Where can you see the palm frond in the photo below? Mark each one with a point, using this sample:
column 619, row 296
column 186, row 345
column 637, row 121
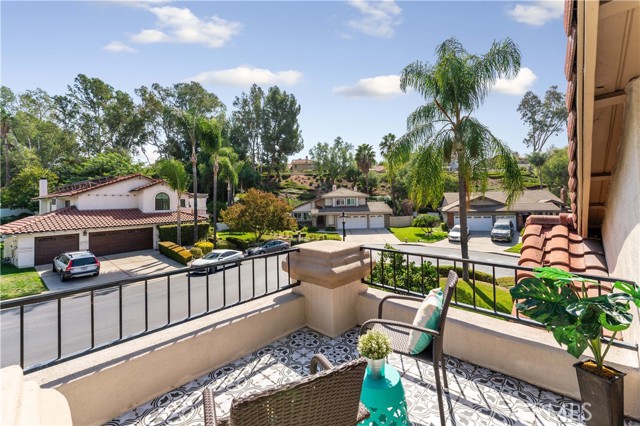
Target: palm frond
column 427, row 176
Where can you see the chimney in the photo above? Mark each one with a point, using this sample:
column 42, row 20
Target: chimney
column 333, row 188
column 43, row 188
column 563, row 195
column 306, row 158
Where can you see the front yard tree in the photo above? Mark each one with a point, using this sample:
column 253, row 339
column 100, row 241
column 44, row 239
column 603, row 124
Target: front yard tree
column 334, row 160
column 247, row 121
column 454, row 87
column 19, row 194
column 537, row 160
column 556, row 170
column 174, row 173
column 259, row 212
column 365, row 158
column 426, row 221
column 281, row 136
column 545, row 118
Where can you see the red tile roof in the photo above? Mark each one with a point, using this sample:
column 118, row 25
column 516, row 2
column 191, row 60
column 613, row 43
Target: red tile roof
column 147, row 185
column 70, row 218
column 88, row 185
column 553, row 241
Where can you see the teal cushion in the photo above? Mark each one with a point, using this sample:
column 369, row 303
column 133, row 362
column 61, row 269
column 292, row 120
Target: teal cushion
column 428, row 316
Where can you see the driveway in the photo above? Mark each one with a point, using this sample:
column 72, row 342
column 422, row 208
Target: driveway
column 113, row 268
column 371, row 236
column 481, row 242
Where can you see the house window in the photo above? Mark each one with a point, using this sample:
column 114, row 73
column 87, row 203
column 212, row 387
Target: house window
column 183, row 202
column 351, row 201
column 67, row 203
column 162, row 201
column 340, row 202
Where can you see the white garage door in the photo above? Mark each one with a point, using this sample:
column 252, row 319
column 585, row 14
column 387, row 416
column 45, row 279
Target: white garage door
column 356, row 222
column 477, row 223
column 511, row 218
column 376, row 221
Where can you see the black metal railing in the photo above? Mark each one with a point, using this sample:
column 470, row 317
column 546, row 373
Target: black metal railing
column 486, row 291
column 44, row 330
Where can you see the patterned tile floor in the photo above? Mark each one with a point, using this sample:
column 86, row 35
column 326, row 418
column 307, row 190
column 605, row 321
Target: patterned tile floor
column 477, row 396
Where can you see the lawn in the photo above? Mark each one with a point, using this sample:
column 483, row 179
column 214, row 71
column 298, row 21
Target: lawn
column 484, row 295
column 514, row 249
column 16, row 282
column 413, row 234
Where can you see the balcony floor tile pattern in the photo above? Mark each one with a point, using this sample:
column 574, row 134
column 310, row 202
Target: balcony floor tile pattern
column 477, row 396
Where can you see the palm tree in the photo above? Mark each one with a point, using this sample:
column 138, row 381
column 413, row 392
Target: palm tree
column 386, row 148
column 212, row 140
column 454, row 87
column 537, row 160
column 175, row 175
column 228, row 169
column 365, row 158
column 387, row 143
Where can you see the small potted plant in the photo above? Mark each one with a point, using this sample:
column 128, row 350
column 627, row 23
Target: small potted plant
column 375, row 347
column 559, row 300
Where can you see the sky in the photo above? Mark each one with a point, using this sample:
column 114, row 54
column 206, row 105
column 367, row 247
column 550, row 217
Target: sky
column 341, row 59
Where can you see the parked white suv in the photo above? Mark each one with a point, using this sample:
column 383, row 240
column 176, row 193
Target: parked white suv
column 75, row 264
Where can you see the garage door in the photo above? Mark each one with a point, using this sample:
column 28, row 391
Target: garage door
column 356, row 222
column 477, row 223
column 376, row 221
column 46, row 248
column 103, row 243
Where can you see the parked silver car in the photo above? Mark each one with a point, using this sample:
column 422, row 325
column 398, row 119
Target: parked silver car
column 455, row 233
column 214, row 258
column 76, row 264
column 269, row 247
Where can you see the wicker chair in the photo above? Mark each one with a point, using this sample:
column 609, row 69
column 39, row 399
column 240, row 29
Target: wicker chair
column 331, row 397
column 398, row 332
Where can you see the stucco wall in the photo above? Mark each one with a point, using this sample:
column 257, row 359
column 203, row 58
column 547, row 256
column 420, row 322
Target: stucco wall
column 114, row 196
column 400, row 221
column 147, row 198
column 621, row 227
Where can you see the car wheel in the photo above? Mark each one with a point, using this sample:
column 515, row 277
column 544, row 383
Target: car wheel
column 261, row 252
column 96, row 274
column 62, row 277
column 283, row 249
column 210, row 270
column 53, row 267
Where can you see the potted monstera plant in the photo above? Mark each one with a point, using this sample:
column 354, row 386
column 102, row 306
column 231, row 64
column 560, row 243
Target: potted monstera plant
column 559, row 300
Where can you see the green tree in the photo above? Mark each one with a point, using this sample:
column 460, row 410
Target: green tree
column 259, row 212
column 332, row 161
column 545, row 118
column 365, row 158
column 24, row 186
column 537, row 160
column 247, row 122
column 454, row 87
column 8, row 110
column 426, row 221
column 386, row 145
column 174, row 173
column 556, row 170
column 281, row 136
column 112, row 163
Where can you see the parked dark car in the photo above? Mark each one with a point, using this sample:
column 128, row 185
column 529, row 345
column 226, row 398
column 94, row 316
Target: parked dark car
column 502, row 230
column 75, row 264
column 269, row 247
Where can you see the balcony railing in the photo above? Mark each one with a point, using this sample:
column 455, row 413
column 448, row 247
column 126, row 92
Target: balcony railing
column 486, row 292
column 44, row 330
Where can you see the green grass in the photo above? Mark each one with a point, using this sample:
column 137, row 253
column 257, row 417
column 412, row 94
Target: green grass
column 413, row 234
column 246, row 236
column 514, row 249
column 16, row 282
column 484, row 295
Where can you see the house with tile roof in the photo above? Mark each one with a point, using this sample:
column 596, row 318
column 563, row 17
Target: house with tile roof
column 107, row 216
column 302, row 165
column 485, row 209
column 602, row 234
column 359, row 213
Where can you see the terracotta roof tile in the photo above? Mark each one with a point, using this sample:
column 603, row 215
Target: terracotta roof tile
column 557, row 242
column 573, row 184
column 576, row 248
column 531, row 255
column 533, row 230
column 572, row 167
column 592, row 246
column 70, row 218
column 573, row 195
column 595, row 261
column 558, row 259
column 84, row 186
column 570, row 57
column 577, row 263
column 570, row 96
column 533, row 241
column 568, row 16
column 571, row 149
column 559, row 230
column 571, row 124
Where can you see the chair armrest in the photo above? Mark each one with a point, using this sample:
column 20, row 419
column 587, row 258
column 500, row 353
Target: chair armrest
column 210, row 417
column 369, row 324
column 319, row 359
column 395, row 296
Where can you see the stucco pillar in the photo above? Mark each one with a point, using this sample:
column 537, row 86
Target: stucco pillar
column 330, row 273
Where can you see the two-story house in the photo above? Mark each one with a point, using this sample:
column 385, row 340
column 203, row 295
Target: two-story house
column 107, row 216
column 359, row 212
column 302, row 165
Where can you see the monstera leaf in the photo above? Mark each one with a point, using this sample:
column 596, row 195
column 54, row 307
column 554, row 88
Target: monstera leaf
column 629, row 289
column 572, row 337
column 545, row 302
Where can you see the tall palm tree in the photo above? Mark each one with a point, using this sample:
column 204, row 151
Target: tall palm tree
column 228, row 169
column 365, row 158
column 211, row 134
column 387, row 143
column 453, row 88
column 175, row 175
column 386, row 148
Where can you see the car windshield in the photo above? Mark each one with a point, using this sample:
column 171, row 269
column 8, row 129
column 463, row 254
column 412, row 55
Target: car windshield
column 456, row 228
column 502, row 227
column 212, row 256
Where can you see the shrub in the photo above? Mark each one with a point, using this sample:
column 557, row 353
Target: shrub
column 312, row 229
column 196, row 252
column 169, row 233
column 443, row 271
column 392, row 269
column 330, row 228
column 224, row 244
column 239, row 243
column 444, row 226
column 205, row 246
column 426, row 221
column 175, row 252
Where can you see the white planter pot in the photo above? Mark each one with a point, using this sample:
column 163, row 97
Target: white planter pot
column 375, row 368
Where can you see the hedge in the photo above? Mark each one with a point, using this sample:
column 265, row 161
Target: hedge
column 205, row 246
column 443, row 271
column 175, row 252
column 196, row 252
column 169, row 233
column 239, row 243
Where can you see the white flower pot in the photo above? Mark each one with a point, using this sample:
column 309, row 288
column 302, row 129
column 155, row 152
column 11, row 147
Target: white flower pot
column 375, row 368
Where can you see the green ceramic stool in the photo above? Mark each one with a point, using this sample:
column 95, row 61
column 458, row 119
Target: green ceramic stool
column 384, row 398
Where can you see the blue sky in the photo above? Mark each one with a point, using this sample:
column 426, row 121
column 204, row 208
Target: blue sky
column 341, row 59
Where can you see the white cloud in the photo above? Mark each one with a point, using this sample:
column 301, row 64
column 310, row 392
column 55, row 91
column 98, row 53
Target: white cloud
column 246, row 75
column 180, row 25
column 537, row 13
column 384, row 86
column 518, row 85
column 379, row 17
column 118, row 46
